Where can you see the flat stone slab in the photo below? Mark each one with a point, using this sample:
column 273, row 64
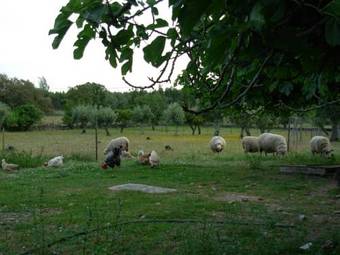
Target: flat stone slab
column 320, row 170
column 141, row 188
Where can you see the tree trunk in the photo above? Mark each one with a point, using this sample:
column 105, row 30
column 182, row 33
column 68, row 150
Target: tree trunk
column 242, row 131
column 335, row 133
column 193, row 129
column 247, row 131
column 153, row 127
column 199, row 129
column 121, row 129
column 262, row 130
column 107, row 131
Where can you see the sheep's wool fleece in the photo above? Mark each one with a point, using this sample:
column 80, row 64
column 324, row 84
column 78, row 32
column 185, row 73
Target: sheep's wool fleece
column 250, row 144
column 56, row 161
column 272, row 143
column 217, row 141
column 116, row 143
column 154, row 159
column 320, row 144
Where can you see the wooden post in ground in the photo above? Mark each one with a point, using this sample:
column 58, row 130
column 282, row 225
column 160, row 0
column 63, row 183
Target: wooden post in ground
column 3, row 138
column 288, row 145
column 96, row 139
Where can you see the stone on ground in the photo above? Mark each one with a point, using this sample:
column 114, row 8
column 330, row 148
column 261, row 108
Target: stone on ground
column 142, row 188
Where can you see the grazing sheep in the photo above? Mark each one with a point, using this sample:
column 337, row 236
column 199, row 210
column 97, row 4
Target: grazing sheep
column 217, row 144
column 250, row 144
column 122, row 142
column 272, row 143
column 112, row 158
column 154, row 159
column 55, row 162
column 8, row 167
column 143, row 158
column 321, row 145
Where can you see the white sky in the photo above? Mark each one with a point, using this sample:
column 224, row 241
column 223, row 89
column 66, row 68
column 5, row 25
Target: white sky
column 26, row 51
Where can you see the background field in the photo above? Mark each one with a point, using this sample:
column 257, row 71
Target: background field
column 71, row 211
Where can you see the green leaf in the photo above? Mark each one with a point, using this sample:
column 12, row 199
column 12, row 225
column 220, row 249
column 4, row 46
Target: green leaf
column 333, row 8
column 154, row 10
column 111, row 55
column 191, row 13
column 123, row 37
column 256, row 16
column 83, row 38
column 159, row 23
column 127, row 67
column 332, row 32
column 153, row 52
column 95, row 14
column 173, row 35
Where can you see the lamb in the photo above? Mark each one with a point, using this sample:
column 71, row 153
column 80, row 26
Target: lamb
column 321, row 145
column 8, row 167
column 55, row 162
column 154, row 159
column 272, row 143
column 217, row 144
column 250, row 144
column 122, row 142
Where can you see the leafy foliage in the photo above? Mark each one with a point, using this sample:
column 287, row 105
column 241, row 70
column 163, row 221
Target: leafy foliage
column 286, row 49
column 21, row 118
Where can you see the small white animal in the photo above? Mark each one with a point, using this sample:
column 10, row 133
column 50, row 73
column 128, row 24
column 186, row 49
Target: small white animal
column 154, row 159
column 8, row 167
column 321, row 145
column 217, row 144
column 55, row 162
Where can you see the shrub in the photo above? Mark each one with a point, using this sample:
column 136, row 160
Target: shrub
column 22, row 118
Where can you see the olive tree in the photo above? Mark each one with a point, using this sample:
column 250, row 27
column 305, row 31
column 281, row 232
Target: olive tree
column 142, row 115
column 174, row 114
column 82, row 115
column 104, row 118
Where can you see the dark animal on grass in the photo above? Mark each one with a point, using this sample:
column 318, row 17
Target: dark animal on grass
column 168, row 148
column 112, row 158
column 148, row 138
column 9, row 147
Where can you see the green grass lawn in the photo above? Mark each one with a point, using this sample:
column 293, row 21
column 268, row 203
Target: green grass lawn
column 71, row 210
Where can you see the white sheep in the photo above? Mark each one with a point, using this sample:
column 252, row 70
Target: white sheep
column 217, row 144
column 122, row 142
column 272, row 143
column 55, row 162
column 154, row 159
column 321, row 145
column 250, row 144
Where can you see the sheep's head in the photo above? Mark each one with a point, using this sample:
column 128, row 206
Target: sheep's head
column 329, row 153
column 219, row 147
column 282, row 150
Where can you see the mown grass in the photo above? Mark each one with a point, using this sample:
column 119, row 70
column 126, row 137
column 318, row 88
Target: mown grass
column 70, row 210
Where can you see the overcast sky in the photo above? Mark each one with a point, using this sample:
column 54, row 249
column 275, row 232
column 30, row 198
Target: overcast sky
column 26, row 51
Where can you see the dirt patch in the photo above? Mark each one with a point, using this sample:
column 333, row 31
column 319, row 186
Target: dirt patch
column 12, row 218
column 236, row 197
